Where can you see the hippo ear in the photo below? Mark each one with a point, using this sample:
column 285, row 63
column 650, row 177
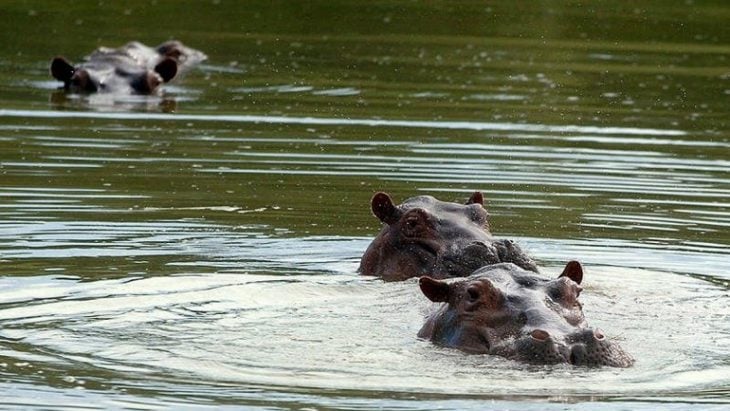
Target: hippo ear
column 171, row 49
column 436, row 290
column 167, row 69
column 61, row 69
column 383, row 208
column 574, row 271
column 82, row 81
column 145, row 83
column 476, row 198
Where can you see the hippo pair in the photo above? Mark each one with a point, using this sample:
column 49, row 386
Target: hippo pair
column 499, row 305
column 132, row 69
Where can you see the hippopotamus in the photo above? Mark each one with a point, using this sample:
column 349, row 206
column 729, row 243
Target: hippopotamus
column 133, row 68
column 505, row 310
column 425, row 236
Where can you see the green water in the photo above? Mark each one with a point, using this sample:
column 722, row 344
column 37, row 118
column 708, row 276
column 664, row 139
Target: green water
column 198, row 248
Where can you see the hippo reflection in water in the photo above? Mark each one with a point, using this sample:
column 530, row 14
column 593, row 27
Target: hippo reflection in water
column 133, row 68
column 425, row 236
column 505, row 310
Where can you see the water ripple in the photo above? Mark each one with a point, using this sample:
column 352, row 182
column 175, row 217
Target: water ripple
column 343, row 332
column 452, row 125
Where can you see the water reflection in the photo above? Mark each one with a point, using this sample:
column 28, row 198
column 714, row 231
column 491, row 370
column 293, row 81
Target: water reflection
column 198, row 248
column 109, row 102
column 624, row 185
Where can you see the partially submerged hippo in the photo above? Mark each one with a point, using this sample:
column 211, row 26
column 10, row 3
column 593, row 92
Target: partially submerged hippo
column 425, row 236
column 504, row 310
column 133, row 68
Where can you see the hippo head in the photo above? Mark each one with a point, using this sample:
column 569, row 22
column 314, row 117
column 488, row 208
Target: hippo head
column 108, row 77
column 182, row 54
column 425, row 236
column 507, row 311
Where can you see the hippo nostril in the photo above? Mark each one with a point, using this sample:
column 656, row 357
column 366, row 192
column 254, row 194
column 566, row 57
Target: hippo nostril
column 485, row 341
column 540, row 335
column 598, row 334
column 577, row 354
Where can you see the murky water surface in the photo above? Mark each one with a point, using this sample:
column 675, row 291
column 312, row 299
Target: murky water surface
column 198, row 248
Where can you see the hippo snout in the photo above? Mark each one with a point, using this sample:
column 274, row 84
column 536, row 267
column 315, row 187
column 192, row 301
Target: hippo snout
column 539, row 347
column 462, row 260
column 478, row 254
column 588, row 347
column 478, row 248
column 591, row 348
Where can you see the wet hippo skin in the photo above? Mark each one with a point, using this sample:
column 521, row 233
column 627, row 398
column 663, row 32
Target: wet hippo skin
column 425, row 236
column 505, row 310
column 133, row 68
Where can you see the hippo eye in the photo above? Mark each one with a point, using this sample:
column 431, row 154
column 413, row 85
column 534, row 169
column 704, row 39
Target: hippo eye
column 412, row 222
column 416, row 223
column 473, row 293
column 566, row 292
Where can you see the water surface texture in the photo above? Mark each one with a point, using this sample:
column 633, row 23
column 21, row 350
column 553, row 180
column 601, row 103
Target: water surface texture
column 198, row 248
